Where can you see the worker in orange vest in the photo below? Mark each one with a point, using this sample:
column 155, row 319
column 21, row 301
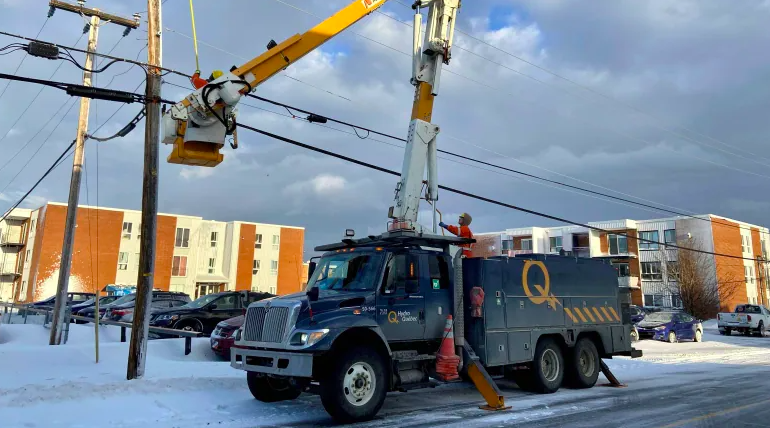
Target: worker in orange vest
column 463, row 231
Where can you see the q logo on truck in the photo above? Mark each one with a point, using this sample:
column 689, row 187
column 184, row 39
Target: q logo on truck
column 544, row 291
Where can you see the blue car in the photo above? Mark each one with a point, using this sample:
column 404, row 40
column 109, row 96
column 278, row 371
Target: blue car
column 670, row 326
column 637, row 314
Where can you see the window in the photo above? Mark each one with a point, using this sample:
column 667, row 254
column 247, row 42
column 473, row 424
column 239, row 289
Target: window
column 213, row 239
column 651, row 270
column 23, row 290
column 32, row 228
column 212, row 263
column 123, row 261
column 749, row 273
column 179, row 266
column 618, row 244
column 526, row 244
column 137, row 259
column 439, row 272
column 273, row 290
column 555, row 242
column 273, row 267
column 401, row 275
column 255, row 267
column 182, row 238
column 669, row 236
column 276, row 242
column 622, row 268
column 646, row 237
column 28, row 254
column 127, row 226
column 676, row 301
column 258, row 241
column 346, row 271
column 226, row 303
column 507, row 245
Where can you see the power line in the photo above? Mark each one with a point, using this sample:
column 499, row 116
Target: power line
column 586, row 88
column 482, row 198
column 499, row 91
column 84, row 91
column 56, row 163
column 24, row 57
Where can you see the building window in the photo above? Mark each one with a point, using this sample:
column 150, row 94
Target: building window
column 212, row 263
column 179, row 266
column 555, row 244
column 258, row 241
column 746, row 244
column 276, row 242
column 255, row 267
column 23, row 290
column 648, row 240
column 32, row 229
column 651, row 270
column 127, row 226
column 669, row 236
column 618, row 244
column 653, row 300
column 676, row 301
column 182, row 238
column 122, row 261
column 273, row 267
column 749, row 273
column 622, row 269
column 526, row 244
column 272, row 290
column 214, row 236
column 28, row 254
column 507, row 245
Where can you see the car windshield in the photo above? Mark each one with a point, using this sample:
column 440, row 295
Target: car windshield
column 202, row 301
column 660, row 317
column 106, row 299
column 125, row 299
column 90, row 302
column 349, row 272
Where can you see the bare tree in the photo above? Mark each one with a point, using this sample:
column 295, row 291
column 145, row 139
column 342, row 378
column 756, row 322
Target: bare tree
column 702, row 287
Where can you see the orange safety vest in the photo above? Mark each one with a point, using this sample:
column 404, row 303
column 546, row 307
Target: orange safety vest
column 462, row 232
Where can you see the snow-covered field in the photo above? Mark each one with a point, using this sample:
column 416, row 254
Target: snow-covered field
column 43, row 386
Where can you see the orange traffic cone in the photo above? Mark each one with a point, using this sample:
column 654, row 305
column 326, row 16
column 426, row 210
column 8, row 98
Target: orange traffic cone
column 446, row 359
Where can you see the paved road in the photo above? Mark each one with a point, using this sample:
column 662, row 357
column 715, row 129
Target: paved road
column 726, row 396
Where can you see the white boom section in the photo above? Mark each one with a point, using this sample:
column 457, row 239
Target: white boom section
column 429, row 56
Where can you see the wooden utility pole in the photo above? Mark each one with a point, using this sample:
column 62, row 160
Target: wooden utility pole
column 60, row 307
column 137, row 351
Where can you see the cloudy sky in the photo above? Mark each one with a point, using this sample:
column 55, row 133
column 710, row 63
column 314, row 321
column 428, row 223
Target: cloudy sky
column 668, row 107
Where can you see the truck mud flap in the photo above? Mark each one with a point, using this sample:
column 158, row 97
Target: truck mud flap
column 483, row 381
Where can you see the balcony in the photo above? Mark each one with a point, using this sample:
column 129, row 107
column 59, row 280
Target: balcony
column 628, row 281
column 514, row 253
column 11, row 240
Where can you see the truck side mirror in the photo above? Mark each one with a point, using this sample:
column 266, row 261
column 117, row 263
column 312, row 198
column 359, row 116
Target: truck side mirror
column 312, row 294
column 310, row 268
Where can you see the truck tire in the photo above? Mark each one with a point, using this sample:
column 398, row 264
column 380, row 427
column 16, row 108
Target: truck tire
column 582, row 368
column 547, row 367
column 270, row 390
column 761, row 329
column 725, row 332
column 356, row 385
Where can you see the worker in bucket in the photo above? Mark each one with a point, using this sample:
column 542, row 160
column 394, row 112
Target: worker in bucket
column 463, row 231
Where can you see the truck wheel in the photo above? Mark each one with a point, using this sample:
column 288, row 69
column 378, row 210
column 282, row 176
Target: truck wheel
column 270, row 390
column 582, row 371
column 761, row 329
column 671, row 337
column 355, row 387
column 725, row 332
column 547, row 367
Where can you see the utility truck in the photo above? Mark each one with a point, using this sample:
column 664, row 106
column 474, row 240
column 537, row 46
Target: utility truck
column 378, row 309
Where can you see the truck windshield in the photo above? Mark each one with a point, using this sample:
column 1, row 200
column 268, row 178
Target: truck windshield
column 354, row 272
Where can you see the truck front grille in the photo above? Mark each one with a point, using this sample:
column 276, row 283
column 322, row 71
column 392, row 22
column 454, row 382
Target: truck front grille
column 266, row 326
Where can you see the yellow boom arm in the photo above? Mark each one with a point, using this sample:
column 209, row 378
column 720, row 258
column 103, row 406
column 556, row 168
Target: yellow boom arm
column 211, row 107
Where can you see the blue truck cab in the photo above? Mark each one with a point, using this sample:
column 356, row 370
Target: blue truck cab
column 374, row 313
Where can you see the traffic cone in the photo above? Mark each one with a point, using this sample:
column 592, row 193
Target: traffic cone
column 446, row 359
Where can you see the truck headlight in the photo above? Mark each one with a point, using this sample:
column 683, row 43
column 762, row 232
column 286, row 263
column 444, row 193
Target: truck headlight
column 308, row 338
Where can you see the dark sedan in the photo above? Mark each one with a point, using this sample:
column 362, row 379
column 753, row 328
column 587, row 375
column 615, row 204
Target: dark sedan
column 222, row 338
column 89, row 312
column 91, row 303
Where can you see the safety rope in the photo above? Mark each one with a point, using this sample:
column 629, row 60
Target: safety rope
column 195, row 38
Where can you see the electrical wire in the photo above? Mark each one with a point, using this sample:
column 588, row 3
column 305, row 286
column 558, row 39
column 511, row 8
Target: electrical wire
column 485, row 199
column 82, row 90
column 24, row 57
column 56, row 163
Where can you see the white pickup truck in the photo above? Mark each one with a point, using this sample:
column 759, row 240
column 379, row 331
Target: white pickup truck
column 746, row 319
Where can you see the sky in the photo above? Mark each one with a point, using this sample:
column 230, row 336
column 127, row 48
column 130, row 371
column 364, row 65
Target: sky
column 663, row 102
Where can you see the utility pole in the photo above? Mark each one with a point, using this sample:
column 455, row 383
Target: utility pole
column 60, row 307
column 137, row 351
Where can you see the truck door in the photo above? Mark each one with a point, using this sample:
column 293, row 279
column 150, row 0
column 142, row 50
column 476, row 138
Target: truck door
column 400, row 303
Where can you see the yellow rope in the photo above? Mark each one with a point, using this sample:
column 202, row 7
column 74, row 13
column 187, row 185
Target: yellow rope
column 195, row 38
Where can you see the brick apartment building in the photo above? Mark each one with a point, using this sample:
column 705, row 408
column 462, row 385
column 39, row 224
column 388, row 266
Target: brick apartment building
column 643, row 265
column 193, row 255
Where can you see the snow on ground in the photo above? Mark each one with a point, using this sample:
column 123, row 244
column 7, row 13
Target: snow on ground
column 62, row 386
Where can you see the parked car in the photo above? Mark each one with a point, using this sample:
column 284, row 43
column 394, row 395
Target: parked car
column 204, row 313
column 91, row 303
column 746, row 319
column 637, row 314
column 73, row 298
column 89, row 312
column 222, row 338
column 670, row 326
column 160, row 300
